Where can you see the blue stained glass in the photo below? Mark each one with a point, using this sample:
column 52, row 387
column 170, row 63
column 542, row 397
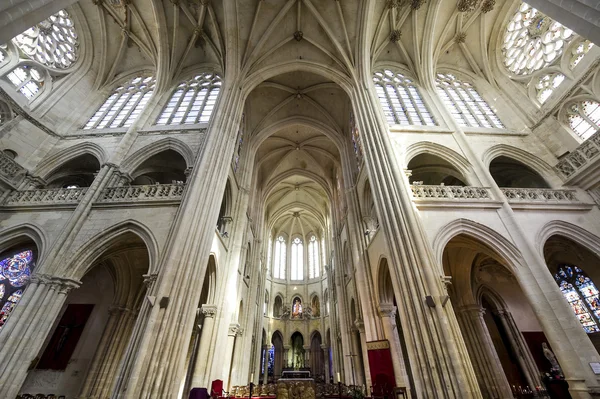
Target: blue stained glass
column 271, row 363
column 17, row 268
column 582, row 294
column 2, row 290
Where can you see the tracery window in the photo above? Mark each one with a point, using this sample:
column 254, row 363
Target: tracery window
column 465, row 103
column 27, row 79
column 271, row 361
column 192, row 102
column 584, row 118
column 579, row 52
column 400, row 99
column 52, row 42
column 15, row 274
column 582, row 294
column 533, row 40
column 313, row 258
column 279, row 264
column 546, row 84
column 124, row 105
column 297, row 265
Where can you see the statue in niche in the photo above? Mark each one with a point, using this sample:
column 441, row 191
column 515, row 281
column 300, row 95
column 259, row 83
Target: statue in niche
column 548, row 354
column 297, row 308
column 286, row 312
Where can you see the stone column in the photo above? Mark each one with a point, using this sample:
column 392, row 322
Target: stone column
column 307, row 356
column 100, row 378
column 234, row 331
column 388, row 319
column 521, row 349
column 435, row 345
column 484, row 357
column 265, row 369
column 22, row 343
column 325, row 349
column 199, row 376
column 366, row 369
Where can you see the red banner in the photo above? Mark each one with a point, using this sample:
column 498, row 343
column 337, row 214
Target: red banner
column 382, row 368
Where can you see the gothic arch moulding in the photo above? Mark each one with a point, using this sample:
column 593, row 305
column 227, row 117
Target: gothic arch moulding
column 570, row 231
column 83, row 258
column 137, row 158
column 427, row 147
column 56, row 160
column 487, row 236
column 24, row 232
column 525, row 157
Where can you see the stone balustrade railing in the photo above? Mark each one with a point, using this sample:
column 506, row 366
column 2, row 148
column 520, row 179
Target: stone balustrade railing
column 450, row 192
column 156, row 192
column 56, row 196
column 9, row 168
column 580, row 157
column 539, row 195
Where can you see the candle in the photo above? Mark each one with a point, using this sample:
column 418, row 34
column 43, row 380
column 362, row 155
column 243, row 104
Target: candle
column 252, row 377
column 338, row 377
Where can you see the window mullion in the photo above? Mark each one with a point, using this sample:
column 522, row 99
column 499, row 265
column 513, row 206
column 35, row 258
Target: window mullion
column 204, row 101
column 176, row 107
column 133, row 107
column 414, row 104
column 118, row 111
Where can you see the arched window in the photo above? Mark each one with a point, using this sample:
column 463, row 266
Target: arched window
column 52, row 42
column 465, row 103
column 279, row 263
column 27, row 79
column 582, row 294
column 192, row 101
column 533, row 41
column 15, row 274
column 579, row 52
column 124, row 105
column 297, row 307
column 401, row 101
column 546, row 84
column 297, row 266
column 313, row 258
column 584, row 118
column 269, row 250
column 5, row 113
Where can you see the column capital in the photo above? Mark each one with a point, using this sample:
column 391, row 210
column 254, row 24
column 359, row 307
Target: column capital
column 62, row 285
column 287, row 347
column 266, row 347
column 235, row 330
column 360, row 325
column 472, row 310
column 306, row 347
column 209, row 310
column 149, row 279
column 115, row 309
column 387, row 310
column 324, row 346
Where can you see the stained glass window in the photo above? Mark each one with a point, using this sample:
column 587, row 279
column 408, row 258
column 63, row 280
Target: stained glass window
column 582, row 294
column 192, row 101
column 297, row 307
column 52, row 42
column 533, row 41
column 271, row 360
column 27, row 79
column 584, row 118
column 579, row 52
column 124, row 104
column 15, row 274
column 465, row 103
column 280, row 254
column 313, row 258
column 297, row 269
column 401, row 100
column 546, row 84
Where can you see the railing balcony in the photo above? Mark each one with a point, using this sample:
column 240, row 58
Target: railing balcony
column 539, row 195
column 450, row 192
column 10, row 169
column 158, row 192
column 584, row 157
column 52, row 196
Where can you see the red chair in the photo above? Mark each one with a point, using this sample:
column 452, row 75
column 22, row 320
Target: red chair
column 216, row 389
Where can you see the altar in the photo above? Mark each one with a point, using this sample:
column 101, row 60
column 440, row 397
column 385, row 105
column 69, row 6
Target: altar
column 295, row 375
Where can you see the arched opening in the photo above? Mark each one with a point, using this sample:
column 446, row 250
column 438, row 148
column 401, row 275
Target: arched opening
column 166, row 167
column 224, row 211
column 429, row 169
column 317, row 369
column 296, row 352
column 370, row 217
column 83, row 354
column 297, row 310
column 276, row 357
column 491, row 308
column 576, row 270
column 315, row 306
column 277, row 306
column 77, row 172
column 510, row 173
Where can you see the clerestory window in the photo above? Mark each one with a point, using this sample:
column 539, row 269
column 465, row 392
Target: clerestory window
column 584, row 118
column 297, row 261
column 581, row 293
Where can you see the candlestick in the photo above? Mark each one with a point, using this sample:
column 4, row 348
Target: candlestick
column 339, row 379
column 252, row 377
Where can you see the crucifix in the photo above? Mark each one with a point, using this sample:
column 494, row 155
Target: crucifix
column 352, row 356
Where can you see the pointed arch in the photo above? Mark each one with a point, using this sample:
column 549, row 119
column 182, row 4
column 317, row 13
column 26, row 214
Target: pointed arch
column 525, row 157
column 137, row 158
column 569, row 230
column 56, row 160
column 15, row 235
column 428, row 147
